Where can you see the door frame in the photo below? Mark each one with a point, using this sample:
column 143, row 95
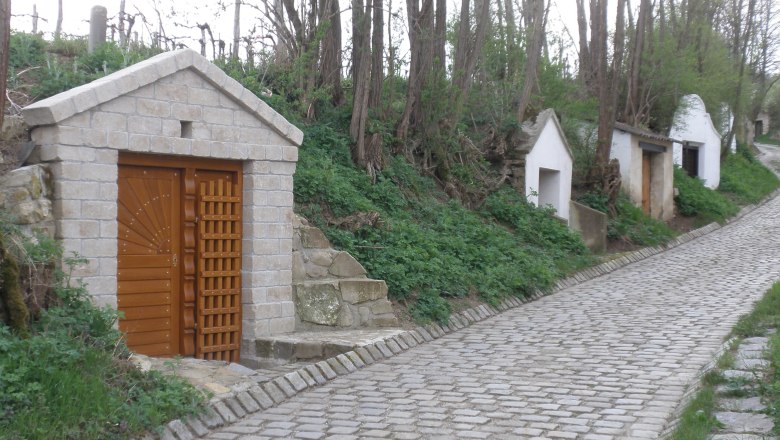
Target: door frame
column 188, row 230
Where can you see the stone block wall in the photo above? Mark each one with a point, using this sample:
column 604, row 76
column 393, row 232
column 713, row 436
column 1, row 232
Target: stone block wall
column 25, row 196
column 177, row 104
column 331, row 289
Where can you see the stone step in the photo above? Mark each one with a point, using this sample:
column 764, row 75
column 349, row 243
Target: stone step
column 745, row 404
column 354, row 290
column 341, row 303
column 744, row 423
column 312, row 346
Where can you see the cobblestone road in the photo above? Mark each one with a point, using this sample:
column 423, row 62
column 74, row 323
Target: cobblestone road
column 607, row 359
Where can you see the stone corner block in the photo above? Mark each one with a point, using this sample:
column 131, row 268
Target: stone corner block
column 362, row 290
column 345, row 265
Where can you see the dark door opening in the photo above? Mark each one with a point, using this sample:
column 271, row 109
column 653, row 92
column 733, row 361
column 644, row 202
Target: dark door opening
column 690, row 161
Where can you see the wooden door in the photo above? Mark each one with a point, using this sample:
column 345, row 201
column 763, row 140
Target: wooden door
column 147, row 260
column 690, row 161
column 219, row 265
column 646, row 179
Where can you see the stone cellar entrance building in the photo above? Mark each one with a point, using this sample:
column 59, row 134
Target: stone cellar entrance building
column 175, row 184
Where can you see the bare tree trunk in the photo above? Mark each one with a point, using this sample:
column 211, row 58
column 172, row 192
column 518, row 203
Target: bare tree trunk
column 361, row 71
column 585, row 68
column 662, row 24
column 462, row 44
column 632, row 104
column 467, row 53
column 534, row 37
column 440, row 31
column 5, row 36
column 236, row 29
column 390, row 48
column 511, row 39
column 58, row 29
column 420, row 31
column 330, row 60
column 121, row 27
column 738, row 112
column 374, row 157
column 377, row 53
column 608, row 82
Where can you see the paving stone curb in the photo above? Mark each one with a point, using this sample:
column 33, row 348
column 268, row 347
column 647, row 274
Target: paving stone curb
column 249, row 397
column 690, row 393
column 675, row 418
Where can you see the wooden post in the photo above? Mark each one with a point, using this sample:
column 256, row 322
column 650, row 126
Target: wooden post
column 97, row 27
column 35, row 19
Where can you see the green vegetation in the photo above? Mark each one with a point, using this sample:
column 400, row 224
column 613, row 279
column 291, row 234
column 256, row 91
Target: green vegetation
column 629, row 224
column 765, row 314
column 771, row 388
column 766, row 139
column 744, row 179
column 695, row 199
column 69, row 377
column 632, row 225
column 427, row 246
column 698, row 421
column 40, row 69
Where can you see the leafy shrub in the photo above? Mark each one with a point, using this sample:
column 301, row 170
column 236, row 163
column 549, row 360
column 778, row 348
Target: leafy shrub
column 427, row 246
column 535, row 226
column 633, row 226
column 430, row 306
column 25, row 50
column 64, row 64
column 71, row 377
column 745, row 179
column 595, row 200
column 695, row 199
column 629, row 224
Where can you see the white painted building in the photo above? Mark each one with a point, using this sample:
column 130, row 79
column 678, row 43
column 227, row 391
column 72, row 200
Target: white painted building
column 548, row 164
column 646, row 169
column 697, row 141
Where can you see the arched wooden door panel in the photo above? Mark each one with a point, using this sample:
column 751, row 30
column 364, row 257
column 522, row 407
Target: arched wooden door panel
column 147, row 270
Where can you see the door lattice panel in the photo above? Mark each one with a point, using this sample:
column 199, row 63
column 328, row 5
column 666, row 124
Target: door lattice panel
column 219, row 266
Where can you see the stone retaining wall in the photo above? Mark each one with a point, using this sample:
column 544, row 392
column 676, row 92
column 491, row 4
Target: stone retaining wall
column 25, row 195
column 330, row 287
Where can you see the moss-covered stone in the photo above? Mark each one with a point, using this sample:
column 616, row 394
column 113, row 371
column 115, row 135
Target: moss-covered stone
column 17, row 314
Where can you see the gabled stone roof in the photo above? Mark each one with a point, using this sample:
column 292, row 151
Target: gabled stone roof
column 534, row 129
column 59, row 107
column 642, row 132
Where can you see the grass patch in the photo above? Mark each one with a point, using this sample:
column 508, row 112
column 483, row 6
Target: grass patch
column 70, row 376
column 428, row 246
column 697, row 421
column 696, row 200
column 744, row 179
column 765, row 139
column 766, row 314
column 629, row 224
column 772, row 387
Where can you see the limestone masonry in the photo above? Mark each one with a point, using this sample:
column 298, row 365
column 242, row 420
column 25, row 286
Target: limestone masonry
column 175, row 104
